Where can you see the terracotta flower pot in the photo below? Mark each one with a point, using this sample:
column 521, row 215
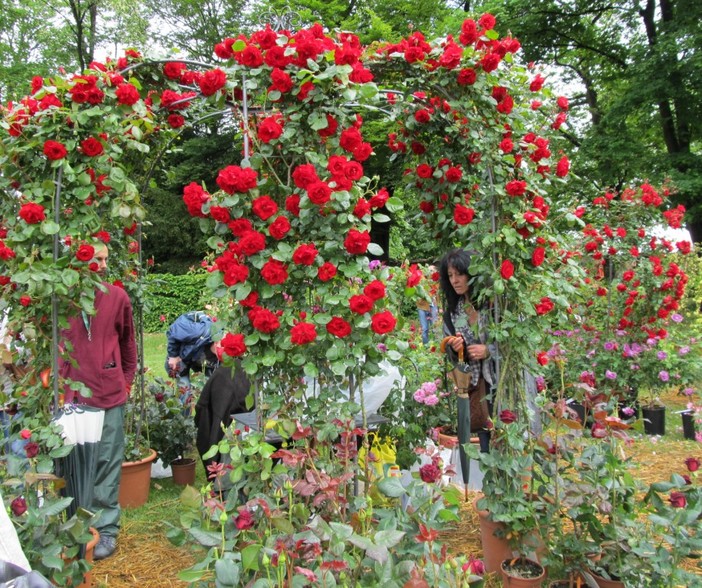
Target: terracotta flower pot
column 522, row 573
column 183, row 471
column 89, row 551
column 604, row 583
column 135, row 482
column 495, row 549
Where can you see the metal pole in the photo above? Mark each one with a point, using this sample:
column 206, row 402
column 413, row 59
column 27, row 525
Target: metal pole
column 54, row 298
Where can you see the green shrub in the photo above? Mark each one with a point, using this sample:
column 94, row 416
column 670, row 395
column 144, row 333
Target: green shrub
column 169, row 296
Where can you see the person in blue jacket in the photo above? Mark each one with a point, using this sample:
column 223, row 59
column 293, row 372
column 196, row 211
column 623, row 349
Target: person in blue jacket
column 190, row 347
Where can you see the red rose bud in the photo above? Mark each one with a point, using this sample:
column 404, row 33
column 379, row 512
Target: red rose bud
column 507, row 417
column 677, row 500
column 693, row 464
column 429, row 473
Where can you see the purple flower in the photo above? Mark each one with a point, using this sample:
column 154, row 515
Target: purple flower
column 627, row 411
column 684, row 350
column 688, row 391
column 663, row 376
column 382, row 347
column 374, row 264
column 610, row 375
column 661, row 355
column 678, row 318
column 610, row 345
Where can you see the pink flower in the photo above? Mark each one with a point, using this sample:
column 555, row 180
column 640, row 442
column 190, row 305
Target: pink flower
column 430, row 473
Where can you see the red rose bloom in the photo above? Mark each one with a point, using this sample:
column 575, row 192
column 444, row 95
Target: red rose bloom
column 562, row 167
column 32, row 213
column 319, row 192
column 173, row 69
column 263, row 319
column 251, row 242
column 507, row 269
column 326, row 271
column 91, row 147
column 538, row 256
column 194, row 197
column 545, row 306
column 356, row 242
column 305, row 254
column 244, row 520
column 304, row 175
column 360, row 303
column 127, row 94
column 375, row 290
column 677, row 500
column 463, row 215
column 414, row 276
column 330, row 129
column 274, row 272
column 292, row 204
column 270, row 129
column 233, row 344
column 693, row 464
column 18, row 506
column 430, row 473
column 264, row 207
column 383, row 322
column 235, row 273
column 220, row 214
column 350, row 139
column 250, row 301
column 379, row 199
column 362, row 208
column 240, row 226
column 466, row 77
column 338, row 327
column 31, row 449
column 211, row 81
column 54, row 150
column 279, row 227
column 281, row 81
column 237, row 179
column 454, row 174
column 303, row 333
column 507, row 416
column 25, row 300
column 516, row 187
column 424, row 170
column 85, row 252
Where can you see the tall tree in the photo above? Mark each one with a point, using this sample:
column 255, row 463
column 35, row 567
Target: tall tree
column 638, row 64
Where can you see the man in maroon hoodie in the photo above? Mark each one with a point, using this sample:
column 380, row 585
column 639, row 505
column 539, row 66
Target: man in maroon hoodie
column 103, row 357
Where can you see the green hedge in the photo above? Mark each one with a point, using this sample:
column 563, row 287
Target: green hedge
column 169, row 296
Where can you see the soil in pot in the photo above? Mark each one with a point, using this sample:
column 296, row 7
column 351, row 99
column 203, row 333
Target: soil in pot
column 521, row 572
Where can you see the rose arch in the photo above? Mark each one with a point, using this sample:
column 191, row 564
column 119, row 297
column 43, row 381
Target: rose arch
column 475, row 130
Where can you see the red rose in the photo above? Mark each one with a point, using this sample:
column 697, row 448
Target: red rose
column 173, row 69
column 211, row 81
column 270, row 129
column 463, row 215
column 292, row 204
column 338, row 327
column 326, row 271
column 350, row 139
column 31, row 449
column 233, row 344
column 693, row 464
column 319, row 192
column 274, row 272
column 244, row 520
column 375, row 290
column 542, row 358
column 379, row 199
column 263, row 319
column 562, row 167
column 414, row 276
column 32, row 213
column 91, row 147
column 356, row 242
column 430, row 473
column 516, row 187
column 194, row 197
column 487, row 21
column 127, row 94
column 264, row 207
column 454, row 174
column 422, row 116
column 220, row 214
column 303, row 333
column 507, row 416
column 281, row 82
column 237, row 179
column 537, row 83
column 677, row 500
column 424, row 170
column 562, row 102
column 279, row 227
column 545, row 306
column 538, row 256
column 85, row 252
column 466, row 77
column 250, row 301
column 25, row 300
column 54, row 150
column 383, row 322
column 490, row 61
column 18, row 506
column 362, row 208
column 360, row 303
column 240, row 226
column 175, row 121
column 251, row 242
column 305, row 254
column 235, row 273
column 304, row 175
column 507, row 269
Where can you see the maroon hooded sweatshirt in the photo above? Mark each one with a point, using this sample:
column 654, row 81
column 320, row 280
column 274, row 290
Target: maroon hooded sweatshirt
column 104, row 350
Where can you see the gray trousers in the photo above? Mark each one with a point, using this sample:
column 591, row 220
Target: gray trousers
column 109, row 472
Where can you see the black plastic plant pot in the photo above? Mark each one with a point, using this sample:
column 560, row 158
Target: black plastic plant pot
column 654, row 419
column 688, row 423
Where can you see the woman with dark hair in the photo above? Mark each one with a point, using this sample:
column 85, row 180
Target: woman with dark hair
column 465, row 328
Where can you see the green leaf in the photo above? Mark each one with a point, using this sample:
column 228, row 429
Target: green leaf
column 391, row 487
column 49, row 227
column 227, row 572
column 205, row 538
column 70, row 277
column 249, row 556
